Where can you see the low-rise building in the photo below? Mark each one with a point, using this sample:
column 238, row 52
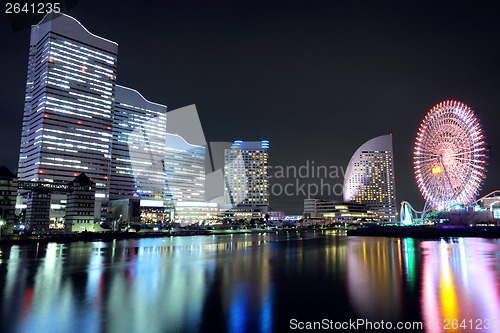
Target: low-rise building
column 8, row 193
column 332, row 212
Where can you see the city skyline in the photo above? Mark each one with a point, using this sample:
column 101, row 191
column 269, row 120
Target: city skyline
column 409, row 67
column 78, row 121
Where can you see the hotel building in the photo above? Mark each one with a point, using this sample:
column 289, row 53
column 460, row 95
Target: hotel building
column 246, row 181
column 369, row 178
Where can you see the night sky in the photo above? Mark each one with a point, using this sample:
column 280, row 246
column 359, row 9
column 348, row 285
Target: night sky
column 315, row 78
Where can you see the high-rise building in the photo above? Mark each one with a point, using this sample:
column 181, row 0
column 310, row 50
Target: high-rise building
column 369, row 178
column 67, row 122
column 246, row 181
column 184, row 169
column 185, row 172
column 138, row 149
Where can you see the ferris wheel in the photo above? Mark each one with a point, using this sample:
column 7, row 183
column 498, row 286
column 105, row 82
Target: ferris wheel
column 449, row 155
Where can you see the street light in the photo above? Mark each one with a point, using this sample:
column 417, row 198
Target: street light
column 2, row 222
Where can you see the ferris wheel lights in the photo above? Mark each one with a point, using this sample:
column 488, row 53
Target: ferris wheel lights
column 436, row 170
column 450, row 129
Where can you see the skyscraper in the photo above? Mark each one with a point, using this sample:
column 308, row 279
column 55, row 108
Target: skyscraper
column 369, row 178
column 67, row 122
column 138, row 148
column 184, row 169
column 246, row 174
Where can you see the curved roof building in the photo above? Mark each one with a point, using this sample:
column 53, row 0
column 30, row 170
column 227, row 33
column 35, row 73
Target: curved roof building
column 185, row 169
column 138, row 147
column 369, row 178
column 68, row 105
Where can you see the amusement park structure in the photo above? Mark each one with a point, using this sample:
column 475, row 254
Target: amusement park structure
column 449, row 161
column 489, row 205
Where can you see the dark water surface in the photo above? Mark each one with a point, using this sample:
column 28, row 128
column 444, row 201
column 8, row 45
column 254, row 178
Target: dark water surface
column 251, row 283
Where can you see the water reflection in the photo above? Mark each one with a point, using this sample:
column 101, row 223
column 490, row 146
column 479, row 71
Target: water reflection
column 375, row 277
column 244, row 283
column 460, row 281
column 147, row 285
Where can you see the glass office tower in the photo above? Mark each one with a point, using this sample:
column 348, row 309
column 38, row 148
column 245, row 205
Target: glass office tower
column 138, row 153
column 67, row 122
column 185, row 170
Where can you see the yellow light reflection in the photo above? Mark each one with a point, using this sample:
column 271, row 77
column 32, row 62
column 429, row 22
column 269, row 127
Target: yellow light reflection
column 448, row 294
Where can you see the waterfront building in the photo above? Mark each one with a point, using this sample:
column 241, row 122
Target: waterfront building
column 187, row 213
column 246, row 181
column 185, row 173
column 369, row 178
column 76, row 119
column 242, row 213
column 185, row 169
column 67, row 119
column 329, row 211
column 491, row 204
column 276, row 216
column 351, row 212
column 68, row 110
column 80, row 205
column 486, row 212
column 138, row 149
column 8, row 194
column 59, row 206
column 316, row 207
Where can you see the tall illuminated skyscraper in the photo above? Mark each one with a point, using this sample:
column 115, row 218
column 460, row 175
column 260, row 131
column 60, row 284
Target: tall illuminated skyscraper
column 67, row 122
column 184, row 169
column 246, row 181
column 369, row 178
column 138, row 149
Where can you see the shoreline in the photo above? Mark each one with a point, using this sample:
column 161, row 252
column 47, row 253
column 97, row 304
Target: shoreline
column 428, row 231
column 110, row 236
column 375, row 231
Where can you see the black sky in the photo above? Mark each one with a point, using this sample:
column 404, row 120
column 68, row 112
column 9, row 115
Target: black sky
column 315, row 78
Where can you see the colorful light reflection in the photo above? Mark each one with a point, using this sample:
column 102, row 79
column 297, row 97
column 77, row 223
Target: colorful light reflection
column 459, row 282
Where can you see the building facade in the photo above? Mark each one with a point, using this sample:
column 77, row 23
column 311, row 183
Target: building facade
column 331, row 211
column 369, row 178
column 80, row 205
column 8, row 194
column 184, row 169
column 68, row 110
column 138, row 148
column 67, row 119
column 187, row 213
column 246, row 181
column 77, row 120
column 185, row 172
